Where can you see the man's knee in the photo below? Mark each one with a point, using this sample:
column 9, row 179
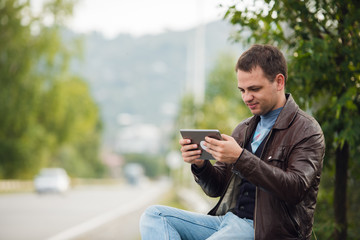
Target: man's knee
column 154, row 210
column 149, row 214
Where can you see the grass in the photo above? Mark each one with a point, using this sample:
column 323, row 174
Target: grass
column 172, row 199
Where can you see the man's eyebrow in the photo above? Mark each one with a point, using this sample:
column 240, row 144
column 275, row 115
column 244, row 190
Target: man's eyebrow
column 255, row 86
column 251, row 87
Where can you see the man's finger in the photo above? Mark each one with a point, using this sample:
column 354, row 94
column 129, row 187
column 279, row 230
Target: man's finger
column 186, row 148
column 212, row 141
column 191, row 153
column 184, row 141
column 226, row 137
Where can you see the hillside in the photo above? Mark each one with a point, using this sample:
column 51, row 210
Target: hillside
column 141, row 80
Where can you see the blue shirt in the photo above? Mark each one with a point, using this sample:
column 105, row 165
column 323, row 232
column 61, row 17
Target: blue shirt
column 264, row 126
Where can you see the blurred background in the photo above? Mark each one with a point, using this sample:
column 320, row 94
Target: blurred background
column 93, row 94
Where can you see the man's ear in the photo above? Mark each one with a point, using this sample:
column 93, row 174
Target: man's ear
column 280, row 82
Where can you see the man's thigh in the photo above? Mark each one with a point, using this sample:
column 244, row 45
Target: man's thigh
column 189, row 225
column 232, row 227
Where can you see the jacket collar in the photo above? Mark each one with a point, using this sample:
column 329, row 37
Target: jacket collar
column 285, row 117
column 287, row 114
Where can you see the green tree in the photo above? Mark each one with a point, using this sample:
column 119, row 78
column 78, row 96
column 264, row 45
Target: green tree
column 321, row 39
column 74, row 126
column 43, row 107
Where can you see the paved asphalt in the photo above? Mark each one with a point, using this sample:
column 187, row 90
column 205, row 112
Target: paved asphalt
column 92, row 212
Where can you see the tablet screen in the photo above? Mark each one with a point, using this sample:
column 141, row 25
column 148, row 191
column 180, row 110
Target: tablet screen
column 197, row 136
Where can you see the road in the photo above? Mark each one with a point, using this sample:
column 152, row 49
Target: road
column 96, row 212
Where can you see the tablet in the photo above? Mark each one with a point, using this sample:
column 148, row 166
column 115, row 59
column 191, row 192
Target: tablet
column 197, row 136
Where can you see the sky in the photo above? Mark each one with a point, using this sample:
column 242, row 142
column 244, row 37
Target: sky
column 141, row 17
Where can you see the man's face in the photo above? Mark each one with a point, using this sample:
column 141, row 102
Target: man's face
column 258, row 93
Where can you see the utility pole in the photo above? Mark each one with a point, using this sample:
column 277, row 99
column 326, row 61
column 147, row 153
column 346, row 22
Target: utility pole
column 195, row 82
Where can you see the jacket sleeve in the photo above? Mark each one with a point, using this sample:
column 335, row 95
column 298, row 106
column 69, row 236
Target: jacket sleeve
column 212, row 178
column 304, row 165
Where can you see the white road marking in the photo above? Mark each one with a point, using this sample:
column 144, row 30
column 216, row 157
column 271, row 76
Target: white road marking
column 152, row 193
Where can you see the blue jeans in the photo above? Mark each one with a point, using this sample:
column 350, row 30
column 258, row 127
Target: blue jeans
column 162, row 222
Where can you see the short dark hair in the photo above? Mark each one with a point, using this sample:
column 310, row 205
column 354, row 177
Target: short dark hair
column 269, row 58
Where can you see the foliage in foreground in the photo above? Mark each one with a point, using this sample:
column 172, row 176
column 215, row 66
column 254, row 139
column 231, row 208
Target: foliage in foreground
column 48, row 117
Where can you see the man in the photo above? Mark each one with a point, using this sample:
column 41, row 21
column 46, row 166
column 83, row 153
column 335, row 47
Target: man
column 266, row 174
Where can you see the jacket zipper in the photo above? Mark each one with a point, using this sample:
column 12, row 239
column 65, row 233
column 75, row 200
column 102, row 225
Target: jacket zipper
column 254, row 222
column 256, row 192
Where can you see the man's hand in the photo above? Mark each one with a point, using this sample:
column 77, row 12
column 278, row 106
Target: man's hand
column 226, row 150
column 190, row 153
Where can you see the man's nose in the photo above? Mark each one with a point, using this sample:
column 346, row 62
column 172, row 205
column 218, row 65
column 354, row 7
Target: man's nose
column 247, row 97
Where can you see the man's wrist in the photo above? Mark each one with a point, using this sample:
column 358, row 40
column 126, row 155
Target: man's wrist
column 237, row 155
column 199, row 163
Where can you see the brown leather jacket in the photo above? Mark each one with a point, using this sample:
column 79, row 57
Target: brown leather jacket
column 286, row 176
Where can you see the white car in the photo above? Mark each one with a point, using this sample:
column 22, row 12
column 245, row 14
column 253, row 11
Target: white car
column 52, row 180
